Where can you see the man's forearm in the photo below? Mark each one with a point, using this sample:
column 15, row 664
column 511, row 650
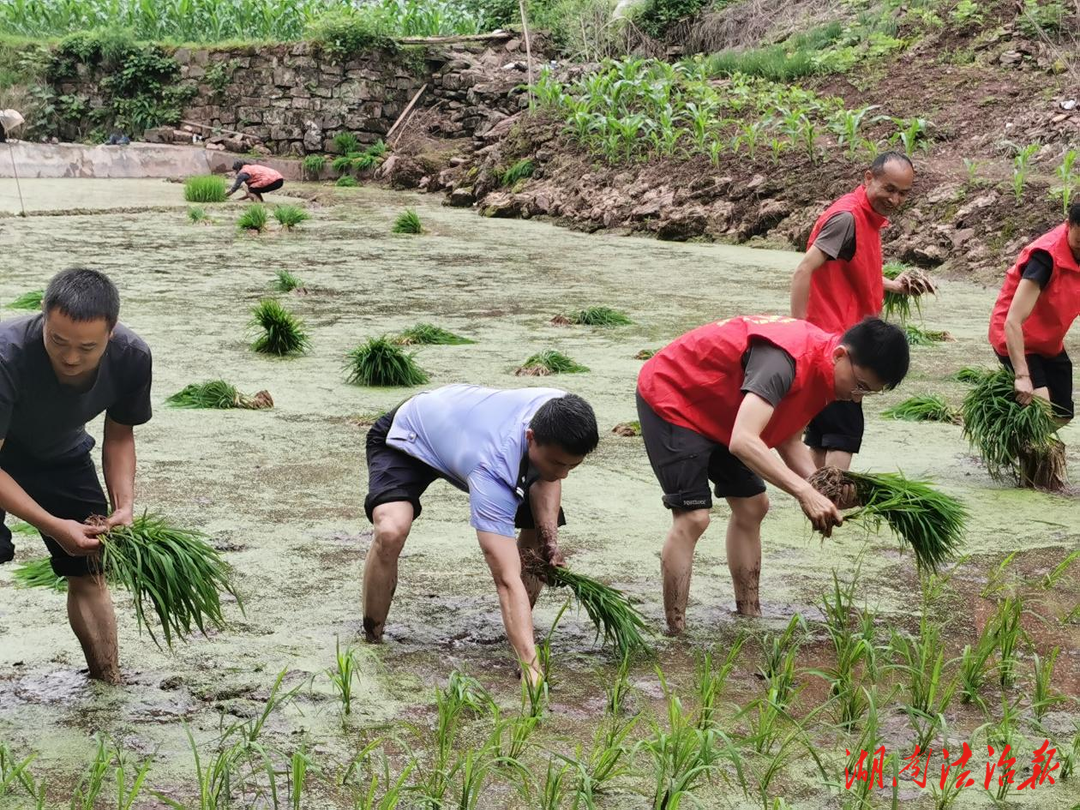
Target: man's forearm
column 797, row 456
column 15, row 501
column 756, row 455
column 118, row 464
column 800, row 290
column 545, row 498
column 1014, row 342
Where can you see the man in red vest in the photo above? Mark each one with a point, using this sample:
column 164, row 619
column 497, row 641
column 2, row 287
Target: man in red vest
column 715, row 402
column 260, row 180
column 1038, row 303
column 839, row 282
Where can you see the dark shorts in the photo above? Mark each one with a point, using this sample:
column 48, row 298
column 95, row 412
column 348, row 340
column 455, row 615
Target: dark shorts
column 396, row 476
column 1054, row 374
column 838, row 427
column 71, row 492
column 685, row 462
column 271, row 187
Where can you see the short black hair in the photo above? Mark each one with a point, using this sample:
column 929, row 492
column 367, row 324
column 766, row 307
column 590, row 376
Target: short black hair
column 1074, row 213
column 83, row 294
column 238, row 165
column 877, row 168
column 881, row 347
column 567, row 421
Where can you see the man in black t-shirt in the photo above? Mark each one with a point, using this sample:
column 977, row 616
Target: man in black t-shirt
column 58, row 370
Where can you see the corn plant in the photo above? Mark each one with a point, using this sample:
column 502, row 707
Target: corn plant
column 845, row 124
column 342, row 675
column 28, row 300
column 208, row 188
column 1021, row 169
column 408, row 222
column 912, row 134
column 751, row 135
column 1067, row 177
column 379, row 362
column 971, row 169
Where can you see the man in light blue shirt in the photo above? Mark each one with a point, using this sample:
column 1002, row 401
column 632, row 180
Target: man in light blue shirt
column 510, row 450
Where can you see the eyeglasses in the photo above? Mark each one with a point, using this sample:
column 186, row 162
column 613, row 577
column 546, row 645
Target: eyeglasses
column 861, row 387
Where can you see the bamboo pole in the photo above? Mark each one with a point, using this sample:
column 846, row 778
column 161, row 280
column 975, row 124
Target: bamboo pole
column 528, row 47
column 404, row 113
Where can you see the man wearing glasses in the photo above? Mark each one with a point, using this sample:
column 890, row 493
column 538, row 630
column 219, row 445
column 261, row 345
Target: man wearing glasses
column 715, row 402
column 839, row 282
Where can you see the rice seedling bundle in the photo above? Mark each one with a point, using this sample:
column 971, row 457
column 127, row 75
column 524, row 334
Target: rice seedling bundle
column 173, row 573
column 198, row 216
column 282, row 333
column 289, row 216
column 218, row 394
column 599, row 316
column 287, row 282
column 381, row 363
column 28, row 300
column 897, row 304
column 207, row 188
column 427, row 334
column 616, row 619
column 972, row 375
column 313, row 165
column 254, row 219
column 39, row 574
column 930, row 522
column 1017, row 443
column 346, row 181
column 408, row 222
column 645, row 354
column 346, row 142
column 627, row 428
column 542, row 364
column 924, row 408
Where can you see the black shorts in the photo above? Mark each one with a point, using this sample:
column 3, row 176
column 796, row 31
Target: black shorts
column 685, row 462
column 70, row 491
column 838, row 427
column 270, row 187
column 397, row 476
column 1054, row 374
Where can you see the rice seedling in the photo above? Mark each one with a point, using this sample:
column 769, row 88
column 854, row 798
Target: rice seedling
column 930, row 522
column 86, row 792
column 427, row 334
column 14, row 771
column 408, row 221
column 215, row 780
column 599, row 316
column 645, row 354
column 851, row 649
column 1008, row 632
column 289, row 216
column 922, row 661
column 313, row 165
column 554, row 789
column 393, row 789
column 299, row 765
column 39, row 574
column 1017, row 443
column 627, row 429
column 172, row 571
column 899, row 305
column 971, row 375
column 220, row 395
column 924, row 408
column 28, row 300
column 917, row 336
column 197, row 215
column 1054, row 575
column 345, row 142
column 549, row 362
column 998, row 580
column 253, row 219
column 380, row 363
column 282, row 333
column 710, row 680
column 521, row 170
column 975, row 668
column 342, row 675
column 208, row 188
column 792, row 743
column 346, row 181
column 780, row 652
column 285, row 282
column 1068, row 753
column 1043, row 697
column 615, row 618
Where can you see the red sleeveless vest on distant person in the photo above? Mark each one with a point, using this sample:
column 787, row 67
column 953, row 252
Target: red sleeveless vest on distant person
column 261, row 176
column 696, row 380
column 1058, row 305
column 842, row 293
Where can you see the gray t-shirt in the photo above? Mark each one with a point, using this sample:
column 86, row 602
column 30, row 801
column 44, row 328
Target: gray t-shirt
column 836, row 239
column 768, row 371
column 43, row 421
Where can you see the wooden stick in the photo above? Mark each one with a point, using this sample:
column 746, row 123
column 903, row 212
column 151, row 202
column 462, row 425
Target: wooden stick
column 493, row 36
column 528, row 47
column 404, row 113
column 219, row 129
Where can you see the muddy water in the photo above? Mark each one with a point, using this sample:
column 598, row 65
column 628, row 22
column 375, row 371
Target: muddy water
column 282, row 490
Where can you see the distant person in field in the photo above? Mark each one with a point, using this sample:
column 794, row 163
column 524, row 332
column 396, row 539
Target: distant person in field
column 713, row 405
column 1038, row 303
column 510, row 450
column 59, row 369
column 839, row 282
column 259, row 179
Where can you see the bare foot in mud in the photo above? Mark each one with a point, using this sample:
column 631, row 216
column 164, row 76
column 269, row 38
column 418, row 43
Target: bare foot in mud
column 373, row 632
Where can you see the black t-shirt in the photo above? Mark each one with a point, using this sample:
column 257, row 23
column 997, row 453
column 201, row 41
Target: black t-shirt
column 1039, row 268
column 43, row 421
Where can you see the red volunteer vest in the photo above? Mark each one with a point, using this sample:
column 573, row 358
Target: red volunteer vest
column 695, row 381
column 843, row 293
column 260, row 175
column 1058, row 305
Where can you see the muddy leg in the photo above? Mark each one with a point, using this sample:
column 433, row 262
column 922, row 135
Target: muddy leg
column 392, row 523
column 256, row 196
column 529, row 549
column 677, row 562
column 744, row 550
column 838, row 458
column 90, row 612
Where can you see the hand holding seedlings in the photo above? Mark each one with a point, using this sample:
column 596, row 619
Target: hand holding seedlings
column 821, row 511
column 1024, row 389
column 915, row 282
column 77, row 539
